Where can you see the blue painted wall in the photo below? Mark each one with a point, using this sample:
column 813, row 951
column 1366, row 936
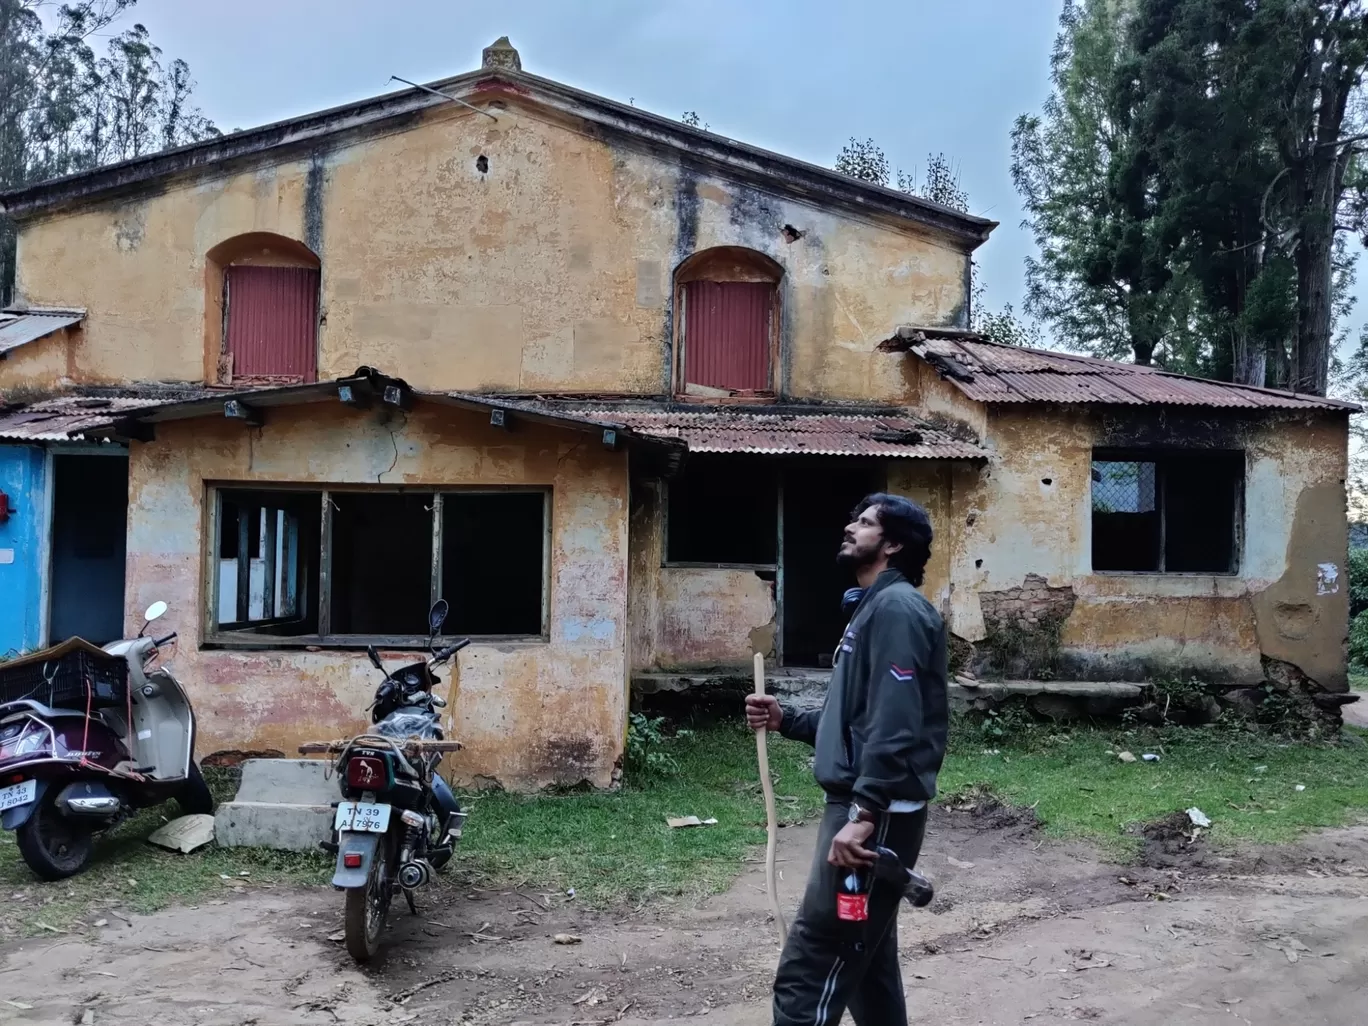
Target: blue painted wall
column 22, row 478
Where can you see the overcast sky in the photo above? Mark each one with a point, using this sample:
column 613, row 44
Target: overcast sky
column 797, row 76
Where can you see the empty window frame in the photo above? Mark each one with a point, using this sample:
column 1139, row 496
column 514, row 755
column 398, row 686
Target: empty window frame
column 723, row 511
column 1167, row 512
column 344, row 566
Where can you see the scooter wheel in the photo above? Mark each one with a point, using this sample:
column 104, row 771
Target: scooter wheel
column 53, row 846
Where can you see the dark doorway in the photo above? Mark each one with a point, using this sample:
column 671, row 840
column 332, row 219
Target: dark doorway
column 89, row 531
column 817, row 505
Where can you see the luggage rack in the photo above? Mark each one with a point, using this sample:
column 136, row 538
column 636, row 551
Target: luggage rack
column 66, row 676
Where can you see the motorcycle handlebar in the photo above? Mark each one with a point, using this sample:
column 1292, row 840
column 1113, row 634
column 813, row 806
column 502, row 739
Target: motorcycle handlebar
column 159, row 642
column 450, row 651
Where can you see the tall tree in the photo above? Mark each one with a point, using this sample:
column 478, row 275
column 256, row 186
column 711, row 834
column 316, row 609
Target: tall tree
column 63, row 109
column 1193, row 166
column 1099, row 279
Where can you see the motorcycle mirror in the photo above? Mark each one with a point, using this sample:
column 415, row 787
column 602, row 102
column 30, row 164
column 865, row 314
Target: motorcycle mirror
column 155, row 612
column 375, row 658
column 437, row 616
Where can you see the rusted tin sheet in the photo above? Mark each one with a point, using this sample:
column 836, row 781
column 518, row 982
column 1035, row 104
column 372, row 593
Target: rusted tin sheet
column 19, row 327
column 831, row 432
column 994, row 373
column 66, row 418
column 727, row 334
column 272, row 325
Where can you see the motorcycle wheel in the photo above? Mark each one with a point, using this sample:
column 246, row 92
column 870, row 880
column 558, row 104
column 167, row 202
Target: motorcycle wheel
column 195, row 798
column 438, row 859
column 366, row 910
column 53, row 846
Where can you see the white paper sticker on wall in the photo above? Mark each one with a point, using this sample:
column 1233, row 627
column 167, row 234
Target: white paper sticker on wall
column 6, row 556
column 143, row 735
column 1327, row 579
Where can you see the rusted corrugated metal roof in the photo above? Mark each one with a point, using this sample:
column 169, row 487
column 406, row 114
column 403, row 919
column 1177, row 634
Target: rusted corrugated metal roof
column 994, row 373
column 68, row 417
column 19, row 327
column 820, row 431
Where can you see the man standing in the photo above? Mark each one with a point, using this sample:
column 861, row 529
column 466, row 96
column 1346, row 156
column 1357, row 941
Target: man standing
column 879, row 740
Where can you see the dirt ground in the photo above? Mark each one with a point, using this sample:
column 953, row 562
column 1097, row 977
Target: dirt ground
column 1023, row 930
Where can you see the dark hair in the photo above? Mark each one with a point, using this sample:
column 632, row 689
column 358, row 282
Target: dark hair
column 906, row 523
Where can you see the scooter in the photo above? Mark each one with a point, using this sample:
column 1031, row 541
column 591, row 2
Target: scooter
column 398, row 821
column 87, row 737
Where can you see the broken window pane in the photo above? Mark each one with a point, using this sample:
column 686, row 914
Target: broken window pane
column 723, row 510
column 267, row 560
column 493, row 562
column 1170, row 512
column 381, row 579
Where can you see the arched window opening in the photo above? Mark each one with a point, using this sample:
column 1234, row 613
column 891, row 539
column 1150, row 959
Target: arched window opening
column 262, row 318
column 727, row 306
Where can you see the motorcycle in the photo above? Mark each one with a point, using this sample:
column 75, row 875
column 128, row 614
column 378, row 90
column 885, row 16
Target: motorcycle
column 88, row 736
column 398, row 821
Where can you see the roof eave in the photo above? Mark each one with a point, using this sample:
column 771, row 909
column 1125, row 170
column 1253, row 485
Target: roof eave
column 808, row 181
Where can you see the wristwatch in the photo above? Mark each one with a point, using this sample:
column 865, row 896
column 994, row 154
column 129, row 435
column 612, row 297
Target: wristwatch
column 859, row 815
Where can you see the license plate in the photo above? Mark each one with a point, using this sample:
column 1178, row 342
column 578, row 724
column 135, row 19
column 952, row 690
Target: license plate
column 360, row 817
column 18, row 794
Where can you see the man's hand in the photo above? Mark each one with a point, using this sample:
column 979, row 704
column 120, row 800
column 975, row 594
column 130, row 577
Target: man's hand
column 847, row 847
column 763, row 712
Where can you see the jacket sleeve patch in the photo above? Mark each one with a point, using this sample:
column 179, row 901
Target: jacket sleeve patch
column 899, row 674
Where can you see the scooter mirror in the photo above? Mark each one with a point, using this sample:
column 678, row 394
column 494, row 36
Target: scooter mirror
column 375, row 658
column 155, row 611
column 438, row 615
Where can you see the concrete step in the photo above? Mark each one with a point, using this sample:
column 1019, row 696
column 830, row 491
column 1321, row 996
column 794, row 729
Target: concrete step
column 288, row 781
column 281, row 803
column 283, row 826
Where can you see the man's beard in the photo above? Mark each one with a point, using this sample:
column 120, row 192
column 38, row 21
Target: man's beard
column 855, row 559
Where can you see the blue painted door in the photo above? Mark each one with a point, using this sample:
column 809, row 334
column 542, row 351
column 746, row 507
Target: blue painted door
column 21, row 548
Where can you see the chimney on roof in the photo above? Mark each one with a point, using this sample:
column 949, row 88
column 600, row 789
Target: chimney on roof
column 500, row 54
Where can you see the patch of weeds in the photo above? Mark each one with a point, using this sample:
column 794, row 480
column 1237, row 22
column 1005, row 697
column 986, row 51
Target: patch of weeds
column 1007, row 722
column 1011, row 649
column 646, row 756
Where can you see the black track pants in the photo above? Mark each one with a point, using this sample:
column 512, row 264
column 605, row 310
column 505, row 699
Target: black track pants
column 829, row 965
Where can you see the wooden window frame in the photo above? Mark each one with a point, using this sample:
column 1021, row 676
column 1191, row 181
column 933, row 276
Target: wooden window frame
column 1161, row 458
column 213, row 636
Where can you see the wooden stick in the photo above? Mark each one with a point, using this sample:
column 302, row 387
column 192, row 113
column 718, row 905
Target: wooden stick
column 771, row 817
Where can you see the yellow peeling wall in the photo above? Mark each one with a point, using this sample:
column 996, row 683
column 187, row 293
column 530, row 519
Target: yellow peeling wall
column 549, row 272
column 531, row 713
column 1029, row 512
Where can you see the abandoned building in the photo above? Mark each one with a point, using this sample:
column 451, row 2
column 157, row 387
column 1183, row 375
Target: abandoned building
column 610, row 385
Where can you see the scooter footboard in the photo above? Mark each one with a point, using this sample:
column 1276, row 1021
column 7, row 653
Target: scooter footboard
column 355, row 853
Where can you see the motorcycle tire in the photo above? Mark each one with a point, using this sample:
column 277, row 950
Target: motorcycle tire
column 195, row 799
column 52, row 846
column 366, row 910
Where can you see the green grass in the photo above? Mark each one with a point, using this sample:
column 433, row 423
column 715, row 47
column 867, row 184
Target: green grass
column 615, row 848
column 1246, row 784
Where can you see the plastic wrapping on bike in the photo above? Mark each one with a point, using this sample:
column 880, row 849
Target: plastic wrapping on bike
column 402, row 725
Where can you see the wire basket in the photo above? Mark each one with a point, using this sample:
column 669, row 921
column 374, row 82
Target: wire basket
column 62, row 681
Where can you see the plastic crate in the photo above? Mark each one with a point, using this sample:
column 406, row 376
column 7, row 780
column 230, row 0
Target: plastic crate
column 62, row 681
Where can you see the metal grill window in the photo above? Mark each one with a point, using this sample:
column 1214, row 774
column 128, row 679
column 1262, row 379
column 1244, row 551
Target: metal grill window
column 1171, row 512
